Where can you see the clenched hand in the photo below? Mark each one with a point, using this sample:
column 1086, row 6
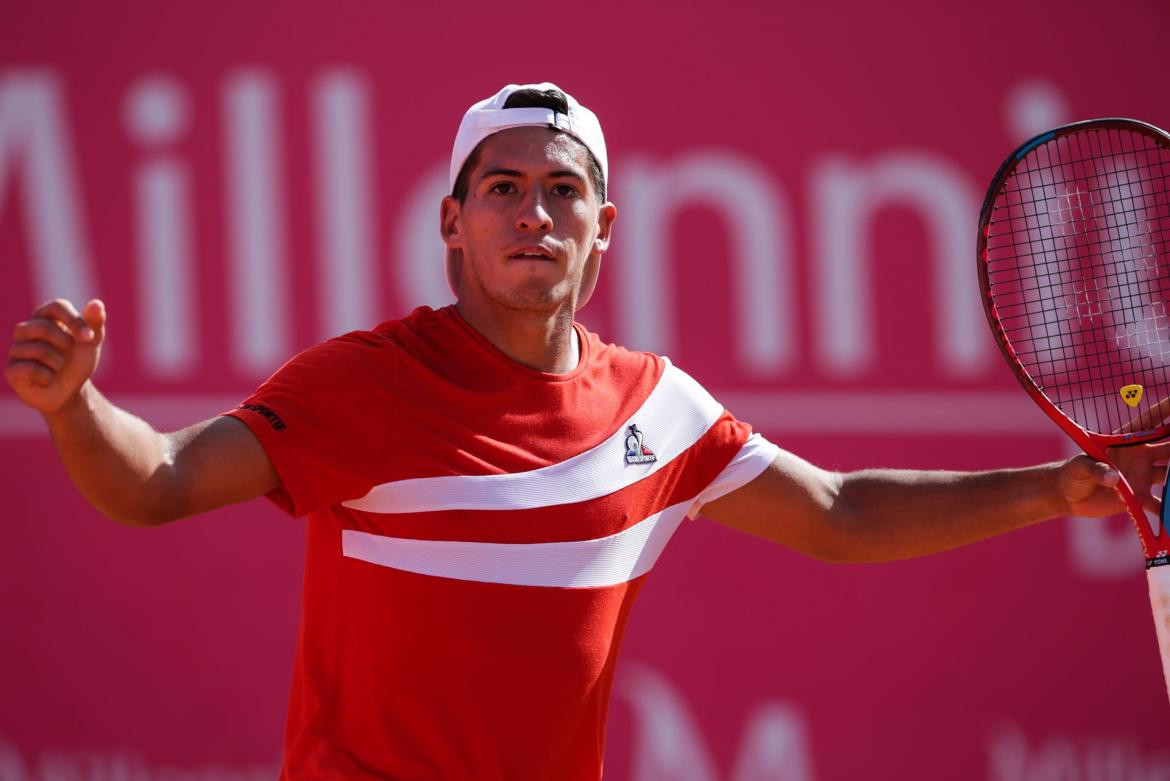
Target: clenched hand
column 54, row 353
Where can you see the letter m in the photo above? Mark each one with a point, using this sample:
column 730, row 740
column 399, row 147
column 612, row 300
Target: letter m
column 668, row 744
column 34, row 151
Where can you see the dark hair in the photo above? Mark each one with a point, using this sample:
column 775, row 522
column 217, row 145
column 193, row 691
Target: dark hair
column 528, row 98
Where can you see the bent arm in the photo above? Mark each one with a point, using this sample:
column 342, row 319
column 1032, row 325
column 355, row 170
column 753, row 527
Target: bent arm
column 885, row 514
column 139, row 476
column 124, row 467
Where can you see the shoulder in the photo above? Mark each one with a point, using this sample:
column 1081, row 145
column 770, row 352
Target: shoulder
column 618, row 361
column 356, row 349
column 385, row 339
column 422, row 323
column 352, row 357
column 657, row 374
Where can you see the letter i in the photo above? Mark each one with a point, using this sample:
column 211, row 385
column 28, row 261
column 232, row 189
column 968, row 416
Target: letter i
column 345, row 246
column 257, row 282
column 156, row 115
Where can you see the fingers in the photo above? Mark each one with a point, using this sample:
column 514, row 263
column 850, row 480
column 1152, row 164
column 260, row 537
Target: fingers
column 38, row 352
column 1148, row 419
column 45, row 348
column 1154, row 492
column 42, row 329
column 55, row 329
column 94, row 315
column 28, row 373
column 1145, row 470
column 1155, row 451
column 63, row 312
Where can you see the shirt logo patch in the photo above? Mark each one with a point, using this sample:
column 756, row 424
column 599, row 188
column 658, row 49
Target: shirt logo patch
column 636, row 451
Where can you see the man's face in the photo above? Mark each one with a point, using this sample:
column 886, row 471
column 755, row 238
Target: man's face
column 531, row 223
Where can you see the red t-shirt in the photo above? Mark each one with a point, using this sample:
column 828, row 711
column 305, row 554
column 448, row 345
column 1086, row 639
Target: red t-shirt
column 478, row 531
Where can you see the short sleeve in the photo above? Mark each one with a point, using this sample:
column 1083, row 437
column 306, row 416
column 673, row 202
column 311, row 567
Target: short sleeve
column 324, row 419
column 752, row 459
column 728, row 454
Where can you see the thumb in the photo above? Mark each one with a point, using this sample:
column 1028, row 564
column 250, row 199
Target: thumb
column 1084, row 471
column 1082, row 477
column 1105, row 474
column 94, row 315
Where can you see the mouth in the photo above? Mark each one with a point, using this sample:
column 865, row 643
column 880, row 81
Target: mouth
column 532, row 253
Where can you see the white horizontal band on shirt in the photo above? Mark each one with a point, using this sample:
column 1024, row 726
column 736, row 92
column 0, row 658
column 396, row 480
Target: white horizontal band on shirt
column 672, row 418
column 752, row 459
column 606, row 561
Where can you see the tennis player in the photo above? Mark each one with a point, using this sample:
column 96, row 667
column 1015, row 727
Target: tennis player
column 487, row 485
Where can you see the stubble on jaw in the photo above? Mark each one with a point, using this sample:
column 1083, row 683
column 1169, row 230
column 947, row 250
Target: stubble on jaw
column 532, row 296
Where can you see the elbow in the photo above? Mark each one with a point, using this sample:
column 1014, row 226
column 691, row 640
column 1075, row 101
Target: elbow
column 141, row 521
column 143, row 508
column 159, row 501
column 833, row 552
column 836, row 543
column 844, row 538
column 137, row 516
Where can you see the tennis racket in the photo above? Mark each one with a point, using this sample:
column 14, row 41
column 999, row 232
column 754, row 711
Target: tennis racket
column 1074, row 266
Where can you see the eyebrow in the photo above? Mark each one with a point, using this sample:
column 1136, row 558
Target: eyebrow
column 558, row 174
column 502, row 172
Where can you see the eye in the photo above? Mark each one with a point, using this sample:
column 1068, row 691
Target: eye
column 503, row 188
column 565, row 190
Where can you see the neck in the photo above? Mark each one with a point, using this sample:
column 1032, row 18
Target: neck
column 546, row 342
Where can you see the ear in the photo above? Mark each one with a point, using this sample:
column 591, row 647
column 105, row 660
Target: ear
column 605, row 220
column 451, row 223
column 451, row 230
column 593, row 264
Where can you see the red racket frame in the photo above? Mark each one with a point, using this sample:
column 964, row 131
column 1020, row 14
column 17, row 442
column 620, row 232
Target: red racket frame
column 1155, row 546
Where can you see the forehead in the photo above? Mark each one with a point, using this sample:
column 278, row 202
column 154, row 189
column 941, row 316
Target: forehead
column 532, row 150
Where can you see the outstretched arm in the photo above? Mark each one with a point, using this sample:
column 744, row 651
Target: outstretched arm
column 884, row 514
column 121, row 464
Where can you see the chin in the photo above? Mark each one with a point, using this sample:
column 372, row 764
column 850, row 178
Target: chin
column 534, row 298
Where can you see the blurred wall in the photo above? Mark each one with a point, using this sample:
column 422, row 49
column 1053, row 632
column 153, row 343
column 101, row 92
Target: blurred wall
column 798, row 187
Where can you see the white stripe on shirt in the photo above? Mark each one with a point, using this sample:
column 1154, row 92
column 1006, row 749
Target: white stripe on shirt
column 676, row 414
column 606, row 561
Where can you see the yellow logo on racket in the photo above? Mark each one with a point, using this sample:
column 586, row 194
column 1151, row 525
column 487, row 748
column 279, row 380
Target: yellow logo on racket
column 1131, row 394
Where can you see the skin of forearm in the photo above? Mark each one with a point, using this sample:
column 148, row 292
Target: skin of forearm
column 886, row 514
column 119, row 462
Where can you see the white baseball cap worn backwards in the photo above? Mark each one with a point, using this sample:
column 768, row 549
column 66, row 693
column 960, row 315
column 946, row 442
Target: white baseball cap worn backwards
column 489, row 116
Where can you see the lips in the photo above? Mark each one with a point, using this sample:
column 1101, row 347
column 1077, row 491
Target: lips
column 532, row 253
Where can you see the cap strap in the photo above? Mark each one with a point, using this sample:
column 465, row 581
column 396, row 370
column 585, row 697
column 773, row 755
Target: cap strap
column 498, row 119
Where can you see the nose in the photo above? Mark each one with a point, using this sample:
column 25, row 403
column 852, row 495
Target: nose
column 533, row 214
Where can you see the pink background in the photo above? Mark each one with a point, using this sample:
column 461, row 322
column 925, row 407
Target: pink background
column 841, row 148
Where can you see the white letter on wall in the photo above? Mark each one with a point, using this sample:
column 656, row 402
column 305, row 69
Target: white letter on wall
column 255, row 220
column 340, row 103
column 34, row 139
column 758, row 227
column 845, row 199
column 156, row 114
column 668, row 743
column 421, row 253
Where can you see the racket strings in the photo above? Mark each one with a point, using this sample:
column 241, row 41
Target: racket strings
column 1077, row 254
column 1075, row 206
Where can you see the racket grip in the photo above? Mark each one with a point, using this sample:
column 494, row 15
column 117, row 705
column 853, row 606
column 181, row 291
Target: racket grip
column 1158, row 575
column 1159, row 579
